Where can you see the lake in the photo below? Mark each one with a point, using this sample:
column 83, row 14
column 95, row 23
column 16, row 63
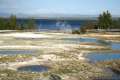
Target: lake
column 55, row 24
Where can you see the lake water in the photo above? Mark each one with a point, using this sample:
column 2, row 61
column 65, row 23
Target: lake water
column 55, row 24
column 33, row 68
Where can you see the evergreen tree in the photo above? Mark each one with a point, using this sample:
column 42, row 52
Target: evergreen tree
column 2, row 24
column 105, row 20
column 12, row 22
column 116, row 24
column 31, row 24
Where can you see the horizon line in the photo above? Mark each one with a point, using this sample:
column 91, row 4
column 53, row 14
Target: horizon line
column 53, row 16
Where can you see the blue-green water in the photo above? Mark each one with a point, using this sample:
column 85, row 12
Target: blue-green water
column 16, row 52
column 33, row 68
column 94, row 57
column 113, row 45
column 98, row 56
column 79, row 40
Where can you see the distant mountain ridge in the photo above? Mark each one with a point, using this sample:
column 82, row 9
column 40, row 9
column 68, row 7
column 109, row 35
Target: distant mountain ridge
column 56, row 16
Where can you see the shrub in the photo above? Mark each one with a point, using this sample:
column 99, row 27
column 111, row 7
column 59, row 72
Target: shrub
column 75, row 32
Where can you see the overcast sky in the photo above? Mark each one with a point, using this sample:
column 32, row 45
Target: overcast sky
column 82, row 7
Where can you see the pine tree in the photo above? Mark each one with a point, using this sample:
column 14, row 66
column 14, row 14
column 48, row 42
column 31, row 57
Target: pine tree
column 105, row 20
column 2, row 24
column 12, row 22
column 31, row 24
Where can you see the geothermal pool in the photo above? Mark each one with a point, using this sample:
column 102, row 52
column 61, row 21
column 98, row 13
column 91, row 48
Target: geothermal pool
column 33, row 68
column 102, row 56
column 15, row 52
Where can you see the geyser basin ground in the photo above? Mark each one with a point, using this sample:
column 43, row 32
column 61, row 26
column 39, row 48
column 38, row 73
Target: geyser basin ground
column 61, row 51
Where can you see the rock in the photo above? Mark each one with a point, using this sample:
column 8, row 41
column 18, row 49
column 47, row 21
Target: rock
column 54, row 77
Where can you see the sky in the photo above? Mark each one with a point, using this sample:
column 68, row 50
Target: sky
column 72, row 7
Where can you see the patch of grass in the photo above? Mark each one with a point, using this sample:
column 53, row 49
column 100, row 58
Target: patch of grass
column 13, row 75
column 14, row 58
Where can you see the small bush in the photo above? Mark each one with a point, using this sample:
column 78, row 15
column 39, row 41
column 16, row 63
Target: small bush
column 76, row 32
column 82, row 30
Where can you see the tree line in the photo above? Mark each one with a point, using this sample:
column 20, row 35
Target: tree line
column 104, row 21
column 11, row 23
